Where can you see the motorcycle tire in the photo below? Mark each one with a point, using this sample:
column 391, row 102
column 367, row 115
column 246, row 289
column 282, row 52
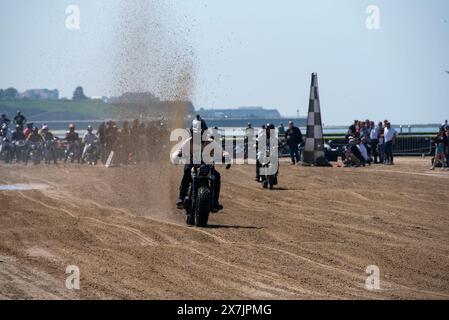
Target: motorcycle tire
column 271, row 181
column 202, row 207
column 190, row 219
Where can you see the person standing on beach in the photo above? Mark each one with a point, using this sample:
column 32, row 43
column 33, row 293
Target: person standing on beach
column 441, row 144
column 390, row 136
column 444, row 126
column 293, row 136
column 374, row 140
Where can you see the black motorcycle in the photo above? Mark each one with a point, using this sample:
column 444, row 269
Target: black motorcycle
column 198, row 203
column 267, row 171
column 50, row 150
column 72, row 152
column 34, row 153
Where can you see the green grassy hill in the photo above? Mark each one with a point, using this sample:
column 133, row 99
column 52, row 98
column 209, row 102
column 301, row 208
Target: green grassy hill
column 86, row 109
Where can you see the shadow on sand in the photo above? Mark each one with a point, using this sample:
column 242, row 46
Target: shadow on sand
column 218, row 226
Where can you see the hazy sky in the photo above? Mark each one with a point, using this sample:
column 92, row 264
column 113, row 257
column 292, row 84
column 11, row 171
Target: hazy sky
column 247, row 52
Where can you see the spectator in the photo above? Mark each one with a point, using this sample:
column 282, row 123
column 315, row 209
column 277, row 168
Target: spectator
column 364, row 152
column 351, row 129
column 374, row 140
column 390, row 136
column 281, row 130
column 447, row 147
column 293, row 136
column 352, row 156
column 364, row 130
column 441, row 144
column 444, row 126
column 381, row 145
column 101, row 140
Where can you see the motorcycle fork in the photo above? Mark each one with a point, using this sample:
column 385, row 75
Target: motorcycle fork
column 212, row 188
column 194, row 192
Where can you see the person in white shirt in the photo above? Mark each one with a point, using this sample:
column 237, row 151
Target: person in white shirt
column 390, row 136
column 89, row 138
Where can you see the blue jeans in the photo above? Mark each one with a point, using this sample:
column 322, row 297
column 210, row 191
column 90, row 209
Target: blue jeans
column 294, row 153
column 389, row 151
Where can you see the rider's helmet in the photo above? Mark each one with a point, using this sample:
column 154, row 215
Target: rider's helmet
column 71, row 127
column 45, row 128
column 89, row 129
column 196, row 125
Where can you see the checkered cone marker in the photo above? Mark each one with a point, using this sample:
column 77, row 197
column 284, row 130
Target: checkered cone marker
column 314, row 148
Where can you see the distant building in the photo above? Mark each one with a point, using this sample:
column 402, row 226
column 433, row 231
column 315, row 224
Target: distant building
column 242, row 112
column 39, row 94
column 100, row 98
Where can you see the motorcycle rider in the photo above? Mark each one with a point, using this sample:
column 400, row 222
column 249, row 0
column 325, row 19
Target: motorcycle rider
column 34, row 137
column 5, row 132
column 48, row 136
column 267, row 138
column 16, row 137
column 4, row 120
column 5, row 137
column 89, row 138
column 71, row 137
column 20, row 120
column 28, row 130
column 197, row 129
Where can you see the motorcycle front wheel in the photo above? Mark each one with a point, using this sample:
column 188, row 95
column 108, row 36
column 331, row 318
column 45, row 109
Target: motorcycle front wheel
column 202, row 207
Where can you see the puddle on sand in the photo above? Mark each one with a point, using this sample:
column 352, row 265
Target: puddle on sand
column 22, row 187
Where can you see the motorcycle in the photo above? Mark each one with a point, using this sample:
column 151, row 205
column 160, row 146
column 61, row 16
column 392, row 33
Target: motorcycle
column 198, row 203
column 34, row 153
column 6, row 150
column 268, row 171
column 72, row 152
column 50, row 150
column 91, row 154
column 20, row 150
